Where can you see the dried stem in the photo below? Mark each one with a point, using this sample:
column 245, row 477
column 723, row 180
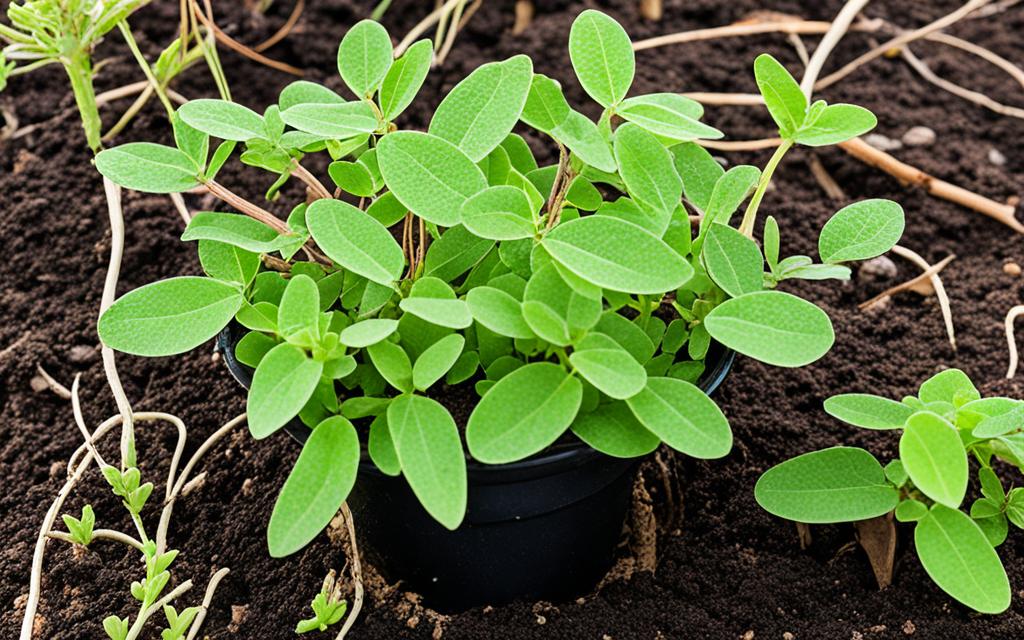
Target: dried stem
column 157, row 606
column 101, row 534
column 311, row 181
column 179, row 205
column 835, row 32
column 55, row 386
column 970, row 95
column 238, row 47
column 207, row 599
column 1011, row 341
column 936, row 283
column 248, row 208
column 116, row 215
column 651, row 9
column 433, row 18
column 524, row 16
column 795, row 25
column 285, row 29
column 357, row 573
column 899, row 41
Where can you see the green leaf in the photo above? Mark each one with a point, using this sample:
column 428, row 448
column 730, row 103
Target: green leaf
column 782, row 95
column 500, row 213
column 770, row 238
column 433, row 300
column 404, row 79
column 318, row 484
column 436, row 361
column 683, row 416
column 498, row 311
column 733, row 261
column 392, row 363
column 223, row 119
column 861, row 231
column 148, row 167
column 234, row 229
column 647, row 170
column 607, row 366
column 729, row 193
column 333, row 121
column 252, row 347
column 960, row 559
column 699, row 171
column 668, row 115
column 868, row 411
column 935, row 459
column 352, row 177
column 773, row 327
column 614, row 430
column 835, row 124
column 951, row 385
column 364, row 57
column 194, row 143
column 431, row 456
column 367, row 332
column 584, row 139
column 618, row 255
column 480, row 111
column 602, row 57
column 355, row 241
column 300, row 306
column 429, row 175
column 910, row 510
column 284, row 380
column 1000, row 425
column 455, row 253
column 524, row 413
column 381, row 447
column 170, row 316
column 545, row 107
column 228, row 263
column 303, row 92
column 840, row 484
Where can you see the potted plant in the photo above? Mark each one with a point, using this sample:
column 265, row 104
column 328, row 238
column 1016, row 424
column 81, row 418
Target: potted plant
column 449, row 295
column 942, row 429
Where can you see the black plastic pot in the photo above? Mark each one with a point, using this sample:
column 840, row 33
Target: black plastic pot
column 541, row 528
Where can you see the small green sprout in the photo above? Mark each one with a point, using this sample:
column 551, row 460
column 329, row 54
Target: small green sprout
column 568, row 313
column 328, row 607
column 178, row 624
column 942, row 430
column 81, row 528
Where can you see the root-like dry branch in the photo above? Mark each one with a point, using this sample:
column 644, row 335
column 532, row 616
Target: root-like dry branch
column 207, row 599
column 970, row 95
column 926, row 283
column 524, row 16
column 285, row 29
column 356, row 571
column 1011, row 342
column 825, row 180
column 238, row 47
column 651, row 9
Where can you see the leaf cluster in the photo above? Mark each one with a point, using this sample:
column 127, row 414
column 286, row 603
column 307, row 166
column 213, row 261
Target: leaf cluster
column 579, row 297
column 945, row 427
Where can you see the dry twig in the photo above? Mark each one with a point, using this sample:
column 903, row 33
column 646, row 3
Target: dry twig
column 1011, row 342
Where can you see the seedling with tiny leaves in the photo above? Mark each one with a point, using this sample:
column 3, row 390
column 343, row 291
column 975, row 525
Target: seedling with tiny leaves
column 569, row 311
column 328, row 607
column 944, row 431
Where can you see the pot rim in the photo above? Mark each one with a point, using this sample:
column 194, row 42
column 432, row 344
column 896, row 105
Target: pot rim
column 559, row 456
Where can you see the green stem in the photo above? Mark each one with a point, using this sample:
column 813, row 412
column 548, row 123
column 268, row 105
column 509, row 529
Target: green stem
column 79, row 70
column 750, row 216
column 146, row 69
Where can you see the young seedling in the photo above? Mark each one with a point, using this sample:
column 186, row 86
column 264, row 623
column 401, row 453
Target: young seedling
column 945, row 428
column 569, row 313
column 328, row 607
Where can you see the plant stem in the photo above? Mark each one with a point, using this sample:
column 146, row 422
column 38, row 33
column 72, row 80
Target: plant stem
column 146, row 69
column 79, row 70
column 750, row 216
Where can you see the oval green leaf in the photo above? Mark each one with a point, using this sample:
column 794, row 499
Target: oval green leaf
column 773, row 327
column 355, row 241
column 404, row 79
column 284, row 380
column 609, row 367
column 934, row 457
column 364, row 57
column 733, row 260
column 429, row 175
column 841, row 484
column 170, row 316
column 499, row 213
column 318, row 484
column 860, row 231
column 683, row 416
column 602, row 57
column 959, row 558
column 430, row 452
column 614, row 430
column 148, row 167
column 868, row 411
column 223, row 119
column 525, row 412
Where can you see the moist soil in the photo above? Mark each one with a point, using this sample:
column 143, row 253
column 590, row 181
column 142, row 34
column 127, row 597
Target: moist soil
column 727, row 569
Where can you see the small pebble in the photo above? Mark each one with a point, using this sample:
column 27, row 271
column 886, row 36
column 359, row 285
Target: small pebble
column 996, row 157
column 38, row 384
column 749, row 635
column 1011, row 269
column 81, row 354
column 788, row 636
column 909, row 628
column 247, row 487
column 882, row 143
column 918, row 136
column 880, row 268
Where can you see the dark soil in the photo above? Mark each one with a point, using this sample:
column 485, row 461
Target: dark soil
column 731, row 570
